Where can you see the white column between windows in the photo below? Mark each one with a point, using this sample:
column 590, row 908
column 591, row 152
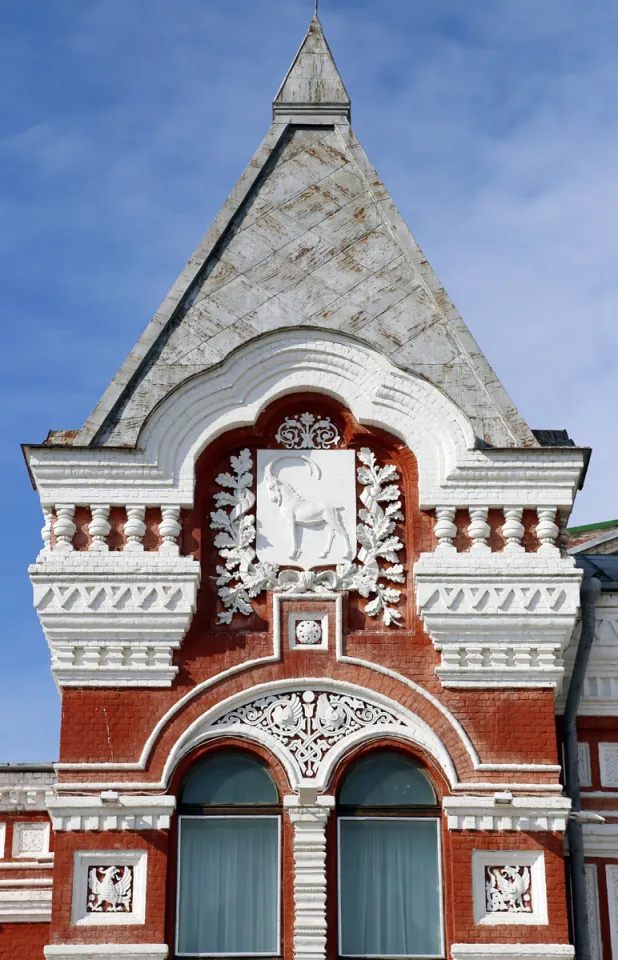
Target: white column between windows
column 309, row 876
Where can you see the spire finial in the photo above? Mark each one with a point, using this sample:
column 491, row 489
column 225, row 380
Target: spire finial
column 317, row 12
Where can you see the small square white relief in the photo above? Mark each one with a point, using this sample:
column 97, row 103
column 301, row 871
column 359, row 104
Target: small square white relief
column 109, row 887
column 308, row 631
column 30, row 840
column 583, row 763
column 608, row 759
column 509, row 887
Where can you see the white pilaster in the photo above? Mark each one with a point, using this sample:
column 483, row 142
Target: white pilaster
column 309, row 876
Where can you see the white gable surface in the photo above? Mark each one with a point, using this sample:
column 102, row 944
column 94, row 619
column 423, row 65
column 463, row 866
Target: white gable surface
column 309, row 238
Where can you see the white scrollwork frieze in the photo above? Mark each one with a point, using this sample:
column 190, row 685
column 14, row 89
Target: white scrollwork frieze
column 243, row 577
column 308, row 432
column 308, row 724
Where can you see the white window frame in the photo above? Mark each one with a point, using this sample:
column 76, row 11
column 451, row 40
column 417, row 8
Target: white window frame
column 83, row 861
column 535, row 859
column 391, row 956
column 611, row 877
column 240, row 816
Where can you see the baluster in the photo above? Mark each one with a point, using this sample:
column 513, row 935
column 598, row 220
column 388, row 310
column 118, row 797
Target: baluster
column 46, row 532
column 170, row 529
column 134, row 529
column 513, row 529
column 64, row 527
column 547, row 530
column 479, row 529
column 99, row 528
column 445, row 529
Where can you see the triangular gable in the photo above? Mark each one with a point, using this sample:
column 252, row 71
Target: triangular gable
column 309, row 237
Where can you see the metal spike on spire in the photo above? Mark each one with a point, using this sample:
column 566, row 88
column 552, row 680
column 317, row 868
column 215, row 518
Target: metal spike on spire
column 316, row 12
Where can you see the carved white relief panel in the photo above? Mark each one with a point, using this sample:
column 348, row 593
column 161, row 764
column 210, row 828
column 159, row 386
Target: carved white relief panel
column 509, row 887
column 306, row 507
column 308, row 631
column 611, row 876
column 583, row 764
column 594, row 914
column 30, row 839
column 109, row 887
column 608, row 759
column 307, row 432
column 288, row 512
column 310, row 723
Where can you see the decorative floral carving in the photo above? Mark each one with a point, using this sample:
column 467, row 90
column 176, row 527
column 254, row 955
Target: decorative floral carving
column 308, row 632
column 242, row 579
column 508, row 889
column 309, row 723
column 110, row 889
column 307, row 432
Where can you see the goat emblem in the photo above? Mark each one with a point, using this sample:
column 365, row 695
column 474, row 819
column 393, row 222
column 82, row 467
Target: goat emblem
column 299, row 511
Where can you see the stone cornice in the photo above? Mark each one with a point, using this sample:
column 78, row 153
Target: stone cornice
column 521, row 813
column 114, row 619
column 499, row 620
column 70, row 814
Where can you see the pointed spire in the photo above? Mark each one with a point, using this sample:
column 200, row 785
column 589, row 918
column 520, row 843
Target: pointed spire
column 313, row 84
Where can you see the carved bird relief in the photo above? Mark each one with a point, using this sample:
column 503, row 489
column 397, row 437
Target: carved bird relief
column 111, row 894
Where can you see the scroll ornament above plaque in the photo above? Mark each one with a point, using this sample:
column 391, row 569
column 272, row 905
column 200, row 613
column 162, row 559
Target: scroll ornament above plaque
column 308, row 517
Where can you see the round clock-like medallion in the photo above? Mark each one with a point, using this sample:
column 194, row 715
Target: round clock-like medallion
column 308, row 632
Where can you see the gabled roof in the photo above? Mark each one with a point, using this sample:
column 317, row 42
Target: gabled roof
column 309, row 237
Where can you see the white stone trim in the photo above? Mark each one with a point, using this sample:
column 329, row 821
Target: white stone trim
column 129, row 813
column 410, row 728
column 112, row 619
column 2, row 839
column 498, row 620
column 26, row 901
column 106, row 951
column 600, row 691
column 451, row 471
column 22, row 849
column 611, row 876
column 601, row 839
column 310, row 924
column 608, row 762
column 523, row 813
column 512, row 951
column 594, row 911
column 83, row 860
column 535, row 861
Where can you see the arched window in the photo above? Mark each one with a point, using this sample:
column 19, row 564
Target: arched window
column 390, row 898
column 229, row 859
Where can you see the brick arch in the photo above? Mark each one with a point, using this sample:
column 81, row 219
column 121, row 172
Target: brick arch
column 197, row 725
column 377, row 392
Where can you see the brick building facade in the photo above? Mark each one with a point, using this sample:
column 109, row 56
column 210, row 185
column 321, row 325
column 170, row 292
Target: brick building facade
column 306, row 592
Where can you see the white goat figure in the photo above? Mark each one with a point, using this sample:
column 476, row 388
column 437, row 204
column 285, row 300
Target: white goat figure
column 305, row 512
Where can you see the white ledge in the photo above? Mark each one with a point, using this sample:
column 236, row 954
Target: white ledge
column 512, row 951
column 523, row 813
column 106, row 951
column 129, row 813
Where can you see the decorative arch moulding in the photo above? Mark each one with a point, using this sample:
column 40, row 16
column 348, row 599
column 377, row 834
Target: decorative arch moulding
column 452, row 470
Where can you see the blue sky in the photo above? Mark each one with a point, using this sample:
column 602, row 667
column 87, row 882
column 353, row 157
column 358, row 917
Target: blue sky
column 125, row 123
